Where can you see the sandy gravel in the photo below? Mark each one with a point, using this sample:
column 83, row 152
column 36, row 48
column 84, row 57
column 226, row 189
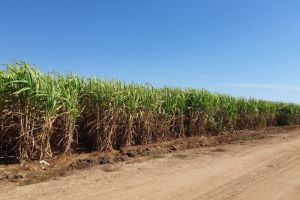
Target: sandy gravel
column 266, row 169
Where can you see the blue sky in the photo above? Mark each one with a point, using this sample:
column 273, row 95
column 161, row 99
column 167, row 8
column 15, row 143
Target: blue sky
column 239, row 47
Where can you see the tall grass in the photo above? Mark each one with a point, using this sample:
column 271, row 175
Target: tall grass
column 46, row 114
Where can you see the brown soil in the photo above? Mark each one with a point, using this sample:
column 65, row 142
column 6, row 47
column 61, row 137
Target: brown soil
column 260, row 164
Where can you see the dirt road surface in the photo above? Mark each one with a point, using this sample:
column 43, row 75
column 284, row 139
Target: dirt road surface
column 267, row 169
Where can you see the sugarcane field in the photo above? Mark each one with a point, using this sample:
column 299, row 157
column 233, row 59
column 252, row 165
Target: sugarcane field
column 150, row 100
column 54, row 126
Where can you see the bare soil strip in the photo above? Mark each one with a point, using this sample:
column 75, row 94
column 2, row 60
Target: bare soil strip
column 266, row 169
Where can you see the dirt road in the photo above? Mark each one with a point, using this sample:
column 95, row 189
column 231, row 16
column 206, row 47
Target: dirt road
column 266, row 169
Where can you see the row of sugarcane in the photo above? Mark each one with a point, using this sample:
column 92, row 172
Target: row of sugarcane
column 46, row 114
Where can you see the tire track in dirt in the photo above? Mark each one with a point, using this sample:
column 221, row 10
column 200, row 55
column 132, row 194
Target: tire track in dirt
column 287, row 163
